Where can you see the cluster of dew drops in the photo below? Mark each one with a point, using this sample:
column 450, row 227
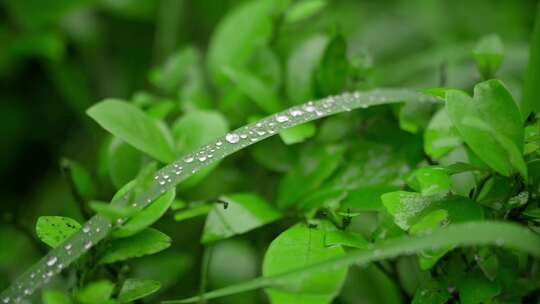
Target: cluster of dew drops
column 170, row 175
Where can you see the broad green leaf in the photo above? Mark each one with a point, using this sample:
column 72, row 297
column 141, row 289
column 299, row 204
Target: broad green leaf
column 333, row 70
column 80, row 242
column 134, row 127
column 507, row 235
column 239, row 34
column 55, row 297
column 95, row 293
column 53, row 230
column 440, row 136
column 192, row 211
column 346, row 239
column 490, row 123
column 175, row 70
column 430, row 221
column 112, row 211
column 474, row 288
column 258, row 91
column 301, row 67
column 82, row 180
column 366, row 198
column 300, row 246
column 282, row 158
column 240, row 213
column 312, row 169
column 147, row 216
column 123, row 162
column 148, row 241
column 405, row 207
column 298, row 134
column 415, row 116
column 430, row 180
column 488, row 54
column 195, row 129
column 304, row 9
column 134, row 289
column 531, row 90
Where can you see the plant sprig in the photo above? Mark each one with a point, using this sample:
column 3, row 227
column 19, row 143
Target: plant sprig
column 99, row 227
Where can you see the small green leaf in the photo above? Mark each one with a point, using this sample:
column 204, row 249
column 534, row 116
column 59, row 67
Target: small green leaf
column 440, row 136
column 134, row 127
column 53, row 230
column 239, row 34
column 134, row 289
column 123, row 162
column 300, row 246
column 490, row 123
column 192, row 211
column 254, row 88
column 55, row 297
column 405, row 207
column 146, row 242
column 242, row 212
column 432, row 292
column 345, row 238
column 489, row 54
column 147, row 216
column 82, row 179
column 333, row 71
column 298, row 134
column 430, row 180
column 430, row 221
column 304, row 9
column 95, row 293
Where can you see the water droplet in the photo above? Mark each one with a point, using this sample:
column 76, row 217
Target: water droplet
column 87, row 245
column 282, row 118
column 219, row 143
column 32, row 275
column 499, row 242
column 243, row 136
column 162, row 182
column 296, row 112
column 86, row 229
column 52, row 260
column 188, row 159
column 50, row 273
column 27, row 291
column 5, row 300
column 99, row 229
column 202, row 158
column 232, row 138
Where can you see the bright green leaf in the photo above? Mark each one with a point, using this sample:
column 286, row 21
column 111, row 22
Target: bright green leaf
column 304, row 9
column 134, row 127
column 53, row 230
column 55, row 297
column 95, row 293
column 146, row 242
column 298, row 134
column 134, row 289
column 489, row 54
column 192, row 211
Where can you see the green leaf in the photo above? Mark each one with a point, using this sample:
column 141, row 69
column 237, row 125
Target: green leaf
column 301, row 67
column 192, row 211
column 53, row 230
column 195, row 129
column 490, row 123
column 345, row 238
column 415, row 116
column 304, row 9
column 366, row 198
column 123, row 162
column 298, row 134
column 488, row 54
column 312, row 169
column 430, row 180
column 55, row 297
column 430, row 221
column 239, row 34
column 95, row 293
column 146, row 242
column 134, row 289
column 242, row 212
column 475, row 288
column 508, row 235
column 257, row 90
column 146, row 217
column 134, row 127
column 82, row 180
column 333, row 71
column 298, row 247
column 405, row 207
column 531, row 90
column 440, row 136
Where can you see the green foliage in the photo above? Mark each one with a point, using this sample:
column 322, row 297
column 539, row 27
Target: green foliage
column 432, row 188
